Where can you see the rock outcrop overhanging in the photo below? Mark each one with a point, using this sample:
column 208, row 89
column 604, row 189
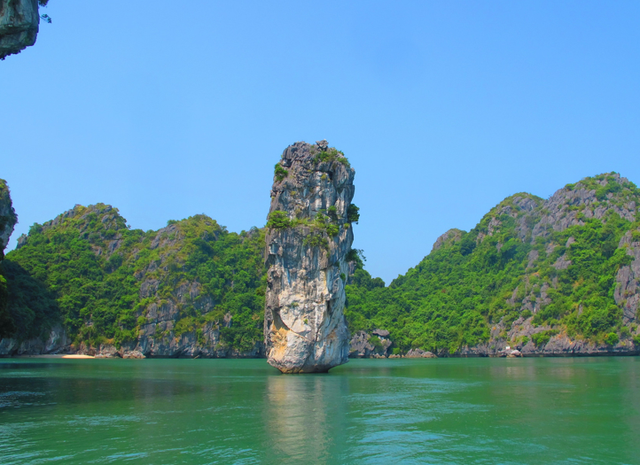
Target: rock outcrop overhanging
column 19, row 22
column 307, row 242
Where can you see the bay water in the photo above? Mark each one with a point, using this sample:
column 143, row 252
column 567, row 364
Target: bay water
column 440, row 411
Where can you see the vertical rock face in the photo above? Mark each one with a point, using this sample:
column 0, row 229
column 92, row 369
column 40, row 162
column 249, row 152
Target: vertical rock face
column 308, row 238
column 627, row 291
column 8, row 218
column 191, row 289
column 19, row 20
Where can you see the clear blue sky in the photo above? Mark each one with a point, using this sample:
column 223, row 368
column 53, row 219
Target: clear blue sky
column 167, row 109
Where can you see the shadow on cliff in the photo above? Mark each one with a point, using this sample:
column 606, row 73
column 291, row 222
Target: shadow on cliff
column 27, row 307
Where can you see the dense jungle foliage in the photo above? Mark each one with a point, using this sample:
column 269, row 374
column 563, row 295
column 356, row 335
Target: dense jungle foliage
column 8, row 218
column 85, row 270
column 552, row 264
column 486, row 277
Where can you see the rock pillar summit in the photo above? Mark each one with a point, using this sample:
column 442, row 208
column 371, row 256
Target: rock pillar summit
column 309, row 236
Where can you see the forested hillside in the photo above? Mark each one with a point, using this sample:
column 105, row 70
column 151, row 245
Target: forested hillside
column 8, row 220
column 559, row 275
column 555, row 276
column 189, row 288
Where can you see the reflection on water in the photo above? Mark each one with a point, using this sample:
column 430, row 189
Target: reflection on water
column 305, row 417
column 370, row 411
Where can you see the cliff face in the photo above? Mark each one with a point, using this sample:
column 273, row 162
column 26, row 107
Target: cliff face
column 554, row 277
column 19, row 21
column 308, row 239
column 579, row 292
column 8, row 217
column 549, row 277
column 86, row 283
column 8, row 220
column 627, row 291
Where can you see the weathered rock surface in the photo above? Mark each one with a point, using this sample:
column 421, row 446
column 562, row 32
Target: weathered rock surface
column 19, row 22
column 566, row 207
column 8, row 217
column 419, row 353
column 55, row 343
column 451, row 236
column 304, row 327
column 627, row 292
column 167, row 303
column 381, row 333
column 536, row 219
column 365, row 345
column 134, row 354
column 359, row 346
column 307, row 241
column 8, row 220
column 559, row 345
column 553, row 302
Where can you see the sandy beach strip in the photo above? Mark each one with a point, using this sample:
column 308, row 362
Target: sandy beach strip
column 73, row 356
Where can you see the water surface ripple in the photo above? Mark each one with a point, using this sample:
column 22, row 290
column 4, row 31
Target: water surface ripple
column 445, row 411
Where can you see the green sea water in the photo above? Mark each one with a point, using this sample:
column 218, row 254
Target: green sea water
column 444, row 411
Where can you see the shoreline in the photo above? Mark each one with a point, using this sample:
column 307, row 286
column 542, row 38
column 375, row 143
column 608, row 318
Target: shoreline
column 529, row 355
column 65, row 356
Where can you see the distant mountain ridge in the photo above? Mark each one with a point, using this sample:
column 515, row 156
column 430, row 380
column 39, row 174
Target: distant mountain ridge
column 552, row 277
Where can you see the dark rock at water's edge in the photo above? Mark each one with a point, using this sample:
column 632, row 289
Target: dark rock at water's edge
column 555, row 277
column 57, row 342
column 308, row 239
column 419, row 353
column 148, row 296
column 19, row 22
column 151, row 292
column 558, row 346
column 374, row 345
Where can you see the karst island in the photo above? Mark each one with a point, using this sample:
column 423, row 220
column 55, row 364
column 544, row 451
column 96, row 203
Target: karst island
column 308, row 239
